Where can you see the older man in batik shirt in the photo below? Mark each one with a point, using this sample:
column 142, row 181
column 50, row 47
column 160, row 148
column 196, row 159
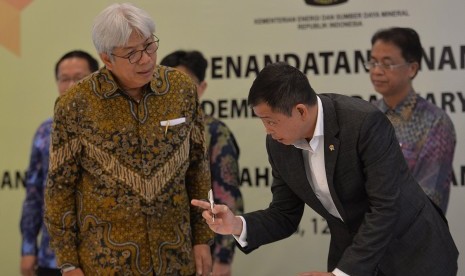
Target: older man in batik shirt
column 122, row 176
column 128, row 154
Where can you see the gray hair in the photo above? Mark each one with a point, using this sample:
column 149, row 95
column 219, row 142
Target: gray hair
column 114, row 25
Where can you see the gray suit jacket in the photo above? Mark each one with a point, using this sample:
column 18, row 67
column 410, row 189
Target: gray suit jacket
column 389, row 224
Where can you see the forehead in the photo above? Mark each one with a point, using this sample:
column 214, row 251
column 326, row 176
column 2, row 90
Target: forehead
column 135, row 39
column 384, row 49
column 263, row 110
column 72, row 65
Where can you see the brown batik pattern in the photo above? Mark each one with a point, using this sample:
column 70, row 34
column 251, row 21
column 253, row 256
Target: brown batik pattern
column 119, row 188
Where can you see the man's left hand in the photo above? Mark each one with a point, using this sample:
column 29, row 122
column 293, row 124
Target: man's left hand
column 203, row 259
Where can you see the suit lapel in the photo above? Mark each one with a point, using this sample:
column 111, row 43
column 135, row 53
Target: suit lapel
column 331, row 148
column 303, row 188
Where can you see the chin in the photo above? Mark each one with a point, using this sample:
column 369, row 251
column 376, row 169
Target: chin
column 143, row 81
column 382, row 90
column 285, row 142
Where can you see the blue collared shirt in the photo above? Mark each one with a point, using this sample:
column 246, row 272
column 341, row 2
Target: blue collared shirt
column 33, row 207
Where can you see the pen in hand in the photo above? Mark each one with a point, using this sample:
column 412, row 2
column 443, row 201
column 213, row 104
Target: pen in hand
column 212, row 202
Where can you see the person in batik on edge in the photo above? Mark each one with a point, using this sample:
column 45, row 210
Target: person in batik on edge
column 38, row 258
column 425, row 132
column 224, row 155
column 128, row 153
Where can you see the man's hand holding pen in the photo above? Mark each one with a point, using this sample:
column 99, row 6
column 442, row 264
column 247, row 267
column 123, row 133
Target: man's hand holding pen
column 219, row 217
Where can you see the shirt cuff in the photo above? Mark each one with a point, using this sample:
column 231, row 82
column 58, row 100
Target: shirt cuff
column 28, row 249
column 67, row 268
column 242, row 239
column 338, row 272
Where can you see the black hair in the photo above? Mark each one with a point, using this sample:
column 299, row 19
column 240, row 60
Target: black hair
column 282, row 87
column 91, row 61
column 406, row 39
column 194, row 61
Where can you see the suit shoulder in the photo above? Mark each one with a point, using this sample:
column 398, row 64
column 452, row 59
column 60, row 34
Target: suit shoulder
column 347, row 102
column 348, row 106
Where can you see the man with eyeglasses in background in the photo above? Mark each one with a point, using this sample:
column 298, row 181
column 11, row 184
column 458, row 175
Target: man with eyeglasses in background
column 128, row 154
column 39, row 259
column 425, row 132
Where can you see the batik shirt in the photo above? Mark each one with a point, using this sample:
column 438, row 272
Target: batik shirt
column 32, row 215
column 224, row 155
column 427, row 138
column 122, row 174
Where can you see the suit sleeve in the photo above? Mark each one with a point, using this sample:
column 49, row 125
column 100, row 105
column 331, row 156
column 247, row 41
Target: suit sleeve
column 280, row 219
column 380, row 155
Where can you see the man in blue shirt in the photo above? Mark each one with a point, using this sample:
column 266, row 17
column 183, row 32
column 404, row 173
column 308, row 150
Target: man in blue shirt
column 40, row 260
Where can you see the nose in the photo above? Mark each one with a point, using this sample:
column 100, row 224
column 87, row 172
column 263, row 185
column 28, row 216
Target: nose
column 377, row 70
column 70, row 83
column 146, row 57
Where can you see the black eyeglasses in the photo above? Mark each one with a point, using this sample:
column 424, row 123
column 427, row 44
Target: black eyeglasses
column 135, row 56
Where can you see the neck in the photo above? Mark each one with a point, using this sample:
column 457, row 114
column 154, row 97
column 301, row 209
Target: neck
column 135, row 94
column 393, row 100
column 313, row 111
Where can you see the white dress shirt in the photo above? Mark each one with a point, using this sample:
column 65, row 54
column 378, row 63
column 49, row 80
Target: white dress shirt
column 314, row 158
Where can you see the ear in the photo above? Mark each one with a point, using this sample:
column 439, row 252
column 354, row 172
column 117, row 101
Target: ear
column 302, row 110
column 414, row 67
column 201, row 88
column 106, row 60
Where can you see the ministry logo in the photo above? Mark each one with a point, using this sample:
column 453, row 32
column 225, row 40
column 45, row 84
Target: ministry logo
column 324, row 2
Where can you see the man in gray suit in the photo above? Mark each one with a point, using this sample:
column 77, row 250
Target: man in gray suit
column 340, row 156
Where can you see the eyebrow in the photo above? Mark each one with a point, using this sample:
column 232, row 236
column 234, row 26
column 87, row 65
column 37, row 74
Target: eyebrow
column 267, row 117
column 382, row 59
column 134, row 47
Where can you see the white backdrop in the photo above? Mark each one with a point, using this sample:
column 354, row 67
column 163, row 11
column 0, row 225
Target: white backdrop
column 238, row 37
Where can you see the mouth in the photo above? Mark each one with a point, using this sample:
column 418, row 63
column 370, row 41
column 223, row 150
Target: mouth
column 146, row 72
column 378, row 83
